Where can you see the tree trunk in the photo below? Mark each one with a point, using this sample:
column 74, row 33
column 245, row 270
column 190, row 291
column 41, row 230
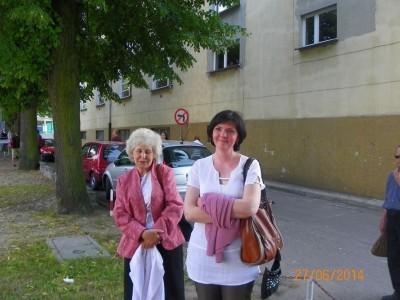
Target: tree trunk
column 64, row 98
column 29, row 147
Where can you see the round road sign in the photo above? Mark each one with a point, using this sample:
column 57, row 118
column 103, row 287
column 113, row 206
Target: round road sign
column 181, row 116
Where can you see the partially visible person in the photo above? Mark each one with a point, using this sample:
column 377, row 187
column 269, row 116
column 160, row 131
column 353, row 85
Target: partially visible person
column 40, row 140
column 390, row 223
column 216, row 191
column 3, row 134
column 14, row 149
column 115, row 137
column 164, row 135
column 197, row 140
column 4, row 143
column 148, row 211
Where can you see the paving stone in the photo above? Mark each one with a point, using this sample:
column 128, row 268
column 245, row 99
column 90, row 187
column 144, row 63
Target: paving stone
column 75, row 247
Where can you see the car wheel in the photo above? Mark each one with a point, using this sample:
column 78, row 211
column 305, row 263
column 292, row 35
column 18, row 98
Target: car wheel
column 93, row 182
column 108, row 188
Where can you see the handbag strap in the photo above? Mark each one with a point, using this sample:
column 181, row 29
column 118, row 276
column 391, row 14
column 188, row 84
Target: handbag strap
column 264, row 204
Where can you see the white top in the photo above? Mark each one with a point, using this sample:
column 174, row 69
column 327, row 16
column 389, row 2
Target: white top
column 146, row 187
column 202, row 268
column 147, row 274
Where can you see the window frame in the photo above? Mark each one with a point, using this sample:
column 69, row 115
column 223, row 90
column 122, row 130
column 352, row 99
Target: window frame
column 225, row 57
column 121, row 90
column 82, row 105
column 98, row 98
column 316, row 26
column 154, row 84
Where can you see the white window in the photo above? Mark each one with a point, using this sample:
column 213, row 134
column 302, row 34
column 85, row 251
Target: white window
column 228, row 58
column 220, row 8
column 319, row 26
column 82, row 105
column 99, row 98
column 124, row 88
column 160, row 84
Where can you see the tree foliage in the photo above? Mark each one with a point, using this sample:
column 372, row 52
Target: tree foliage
column 50, row 46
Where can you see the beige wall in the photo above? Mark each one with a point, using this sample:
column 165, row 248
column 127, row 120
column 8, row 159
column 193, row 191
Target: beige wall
column 323, row 117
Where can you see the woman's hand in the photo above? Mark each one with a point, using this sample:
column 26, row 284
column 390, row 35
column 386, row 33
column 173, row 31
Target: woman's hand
column 151, row 237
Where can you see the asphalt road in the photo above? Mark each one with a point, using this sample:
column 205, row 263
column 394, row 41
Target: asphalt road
column 335, row 238
column 327, row 237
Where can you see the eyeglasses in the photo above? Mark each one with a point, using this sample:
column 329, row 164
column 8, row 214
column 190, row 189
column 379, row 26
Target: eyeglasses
column 397, row 156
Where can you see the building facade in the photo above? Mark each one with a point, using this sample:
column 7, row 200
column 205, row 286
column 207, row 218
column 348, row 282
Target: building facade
column 317, row 81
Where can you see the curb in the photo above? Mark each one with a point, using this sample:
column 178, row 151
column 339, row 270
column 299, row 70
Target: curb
column 326, row 195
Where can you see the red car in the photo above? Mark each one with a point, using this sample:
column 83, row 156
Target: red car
column 95, row 158
column 47, row 151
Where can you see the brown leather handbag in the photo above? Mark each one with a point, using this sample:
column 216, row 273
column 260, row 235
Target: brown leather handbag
column 261, row 238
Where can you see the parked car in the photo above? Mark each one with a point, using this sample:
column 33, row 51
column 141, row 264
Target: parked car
column 47, row 151
column 180, row 156
column 96, row 156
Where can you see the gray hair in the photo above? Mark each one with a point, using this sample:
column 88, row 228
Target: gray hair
column 144, row 136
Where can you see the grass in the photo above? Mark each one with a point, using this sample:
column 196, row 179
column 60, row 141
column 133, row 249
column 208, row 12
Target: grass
column 23, row 193
column 31, row 271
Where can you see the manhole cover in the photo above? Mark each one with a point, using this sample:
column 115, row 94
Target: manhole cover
column 74, row 247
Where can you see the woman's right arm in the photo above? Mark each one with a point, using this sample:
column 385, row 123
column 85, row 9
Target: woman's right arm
column 192, row 211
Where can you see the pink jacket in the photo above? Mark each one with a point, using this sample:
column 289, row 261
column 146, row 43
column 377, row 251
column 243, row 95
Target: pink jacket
column 224, row 229
column 130, row 212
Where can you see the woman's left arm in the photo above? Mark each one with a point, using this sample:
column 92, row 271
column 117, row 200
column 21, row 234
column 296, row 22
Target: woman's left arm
column 250, row 202
column 173, row 210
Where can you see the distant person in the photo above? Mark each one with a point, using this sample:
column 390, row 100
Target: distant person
column 390, row 223
column 164, row 136
column 3, row 134
column 115, row 137
column 147, row 212
column 216, row 194
column 197, row 140
column 14, row 149
column 40, row 140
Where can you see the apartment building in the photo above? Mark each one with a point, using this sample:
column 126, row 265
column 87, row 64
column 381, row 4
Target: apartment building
column 317, row 81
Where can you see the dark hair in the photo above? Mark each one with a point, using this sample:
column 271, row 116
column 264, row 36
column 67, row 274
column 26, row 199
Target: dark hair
column 228, row 116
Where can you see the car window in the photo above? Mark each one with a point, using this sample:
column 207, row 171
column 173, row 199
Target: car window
column 111, row 152
column 183, row 156
column 123, row 160
column 93, row 150
column 85, row 149
column 49, row 143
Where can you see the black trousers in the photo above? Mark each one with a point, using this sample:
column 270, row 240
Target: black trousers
column 224, row 292
column 173, row 276
column 393, row 234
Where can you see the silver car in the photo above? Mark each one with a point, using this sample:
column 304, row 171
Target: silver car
column 180, row 156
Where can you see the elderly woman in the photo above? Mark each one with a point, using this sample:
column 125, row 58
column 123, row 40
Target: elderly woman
column 218, row 181
column 147, row 211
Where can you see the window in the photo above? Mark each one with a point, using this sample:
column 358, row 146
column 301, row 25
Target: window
column 229, row 58
column 82, row 105
column 319, row 27
column 124, row 88
column 219, row 8
column 160, row 84
column 99, row 98
column 83, row 135
column 99, row 135
column 124, row 134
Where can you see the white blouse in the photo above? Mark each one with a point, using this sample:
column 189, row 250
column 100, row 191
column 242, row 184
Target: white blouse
column 146, row 187
column 200, row 267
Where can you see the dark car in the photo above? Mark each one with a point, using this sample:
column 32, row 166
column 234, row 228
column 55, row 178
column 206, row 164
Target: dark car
column 47, row 151
column 180, row 156
column 96, row 156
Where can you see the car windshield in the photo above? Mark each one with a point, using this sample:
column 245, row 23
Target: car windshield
column 111, row 152
column 48, row 143
column 184, row 156
column 123, row 159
